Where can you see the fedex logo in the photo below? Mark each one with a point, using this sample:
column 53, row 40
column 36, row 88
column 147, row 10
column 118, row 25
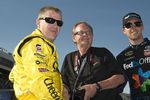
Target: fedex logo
column 137, row 63
column 131, row 64
column 127, row 66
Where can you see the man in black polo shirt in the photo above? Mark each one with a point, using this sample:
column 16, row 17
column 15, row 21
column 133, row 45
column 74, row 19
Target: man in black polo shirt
column 90, row 73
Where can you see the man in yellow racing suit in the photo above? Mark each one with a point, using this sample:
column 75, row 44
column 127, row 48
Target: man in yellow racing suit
column 35, row 74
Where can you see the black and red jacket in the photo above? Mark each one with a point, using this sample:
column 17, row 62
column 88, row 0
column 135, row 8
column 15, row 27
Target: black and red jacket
column 100, row 65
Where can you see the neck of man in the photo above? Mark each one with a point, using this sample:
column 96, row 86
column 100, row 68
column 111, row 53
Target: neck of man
column 83, row 49
column 136, row 41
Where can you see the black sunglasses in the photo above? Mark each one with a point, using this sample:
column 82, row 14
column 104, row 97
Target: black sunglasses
column 52, row 21
column 136, row 24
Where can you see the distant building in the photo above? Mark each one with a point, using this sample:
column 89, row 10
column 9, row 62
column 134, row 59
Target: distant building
column 6, row 61
column 6, row 64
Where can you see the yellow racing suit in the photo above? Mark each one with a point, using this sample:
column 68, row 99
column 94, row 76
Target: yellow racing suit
column 35, row 74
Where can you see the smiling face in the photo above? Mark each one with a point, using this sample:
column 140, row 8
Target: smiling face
column 83, row 36
column 133, row 30
column 49, row 30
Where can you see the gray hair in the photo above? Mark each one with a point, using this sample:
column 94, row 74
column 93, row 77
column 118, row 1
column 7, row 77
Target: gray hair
column 82, row 22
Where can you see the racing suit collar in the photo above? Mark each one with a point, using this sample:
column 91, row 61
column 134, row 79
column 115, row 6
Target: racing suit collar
column 142, row 43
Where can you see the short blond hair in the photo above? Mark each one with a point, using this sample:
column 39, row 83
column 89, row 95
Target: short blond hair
column 44, row 9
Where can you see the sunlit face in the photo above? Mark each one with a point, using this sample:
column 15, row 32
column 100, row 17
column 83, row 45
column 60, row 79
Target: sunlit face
column 133, row 32
column 83, row 35
column 50, row 31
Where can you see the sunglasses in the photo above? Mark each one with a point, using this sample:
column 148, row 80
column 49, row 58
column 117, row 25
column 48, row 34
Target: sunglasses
column 52, row 21
column 83, row 32
column 135, row 24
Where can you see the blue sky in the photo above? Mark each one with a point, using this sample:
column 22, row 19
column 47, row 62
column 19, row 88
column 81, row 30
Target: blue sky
column 17, row 19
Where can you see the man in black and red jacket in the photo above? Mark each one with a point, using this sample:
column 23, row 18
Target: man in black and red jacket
column 90, row 73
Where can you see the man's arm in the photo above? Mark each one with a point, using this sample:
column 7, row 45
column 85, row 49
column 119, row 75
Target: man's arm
column 112, row 82
column 109, row 83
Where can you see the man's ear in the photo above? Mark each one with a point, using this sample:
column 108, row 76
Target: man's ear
column 142, row 27
column 73, row 38
column 37, row 23
column 123, row 31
